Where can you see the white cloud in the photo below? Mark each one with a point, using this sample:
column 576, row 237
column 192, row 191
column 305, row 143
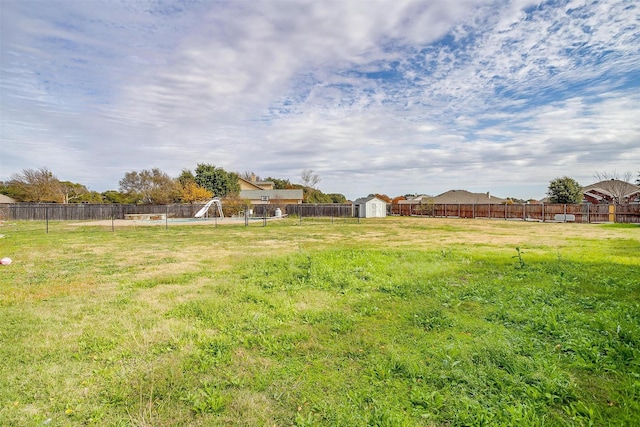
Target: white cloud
column 380, row 96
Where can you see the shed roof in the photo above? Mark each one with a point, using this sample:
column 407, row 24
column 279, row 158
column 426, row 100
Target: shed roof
column 6, row 199
column 362, row 200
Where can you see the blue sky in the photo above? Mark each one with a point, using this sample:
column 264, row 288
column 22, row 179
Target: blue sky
column 388, row 97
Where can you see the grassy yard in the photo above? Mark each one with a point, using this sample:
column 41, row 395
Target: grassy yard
column 389, row 322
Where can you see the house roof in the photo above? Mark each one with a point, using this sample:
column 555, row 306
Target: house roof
column 295, row 194
column 604, row 187
column 418, row 199
column 464, row 196
column 362, row 200
column 252, row 184
column 6, row 199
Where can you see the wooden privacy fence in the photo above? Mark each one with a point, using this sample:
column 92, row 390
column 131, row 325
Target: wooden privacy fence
column 584, row 213
column 95, row 212
column 89, row 211
column 343, row 210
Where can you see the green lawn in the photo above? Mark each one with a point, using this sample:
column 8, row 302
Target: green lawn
column 389, row 322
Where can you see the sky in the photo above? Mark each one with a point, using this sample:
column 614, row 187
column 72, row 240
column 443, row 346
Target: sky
column 390, row 97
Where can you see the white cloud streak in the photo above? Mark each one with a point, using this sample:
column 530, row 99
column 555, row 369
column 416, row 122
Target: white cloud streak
column 377, row 96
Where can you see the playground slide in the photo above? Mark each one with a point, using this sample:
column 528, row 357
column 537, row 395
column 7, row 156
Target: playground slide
column 202, row 212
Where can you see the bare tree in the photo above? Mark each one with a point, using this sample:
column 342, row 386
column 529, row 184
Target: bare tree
column 250, row 176
column 150, row 186
column 310, row 179
column 616, row 185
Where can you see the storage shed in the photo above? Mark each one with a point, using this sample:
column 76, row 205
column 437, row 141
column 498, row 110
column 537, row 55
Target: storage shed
column 370, row 207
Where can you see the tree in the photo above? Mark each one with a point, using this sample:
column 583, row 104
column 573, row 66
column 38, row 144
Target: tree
column 617, row 186
column 192, row 192
column 113, row 196
column 186, row 176
column 310, row 179
column 382, row 197
column 150, row 187
column 515, row 200
column 35, row 185
column 7, row 190
column 72, row 191
column 249, row 176
column 220, row 182
column 317, row 196
column 638, row 179
column 337, row 198
column 280, row 184
column 90, row 197
column 564, row 190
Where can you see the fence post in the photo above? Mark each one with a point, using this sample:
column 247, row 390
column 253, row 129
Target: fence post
column 565, row 213
column 46, row 217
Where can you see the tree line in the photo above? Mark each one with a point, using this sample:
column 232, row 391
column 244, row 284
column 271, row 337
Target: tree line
column 153, row 186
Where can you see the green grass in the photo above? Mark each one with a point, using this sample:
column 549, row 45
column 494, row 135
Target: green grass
column 395, row 322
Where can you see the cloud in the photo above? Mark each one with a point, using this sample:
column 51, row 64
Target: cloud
column 379, row 96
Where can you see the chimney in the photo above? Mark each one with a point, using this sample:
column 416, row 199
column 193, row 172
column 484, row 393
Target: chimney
column 488, row 195
column 253, row 177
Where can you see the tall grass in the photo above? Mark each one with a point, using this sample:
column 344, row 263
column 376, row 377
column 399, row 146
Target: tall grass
column 384, row 323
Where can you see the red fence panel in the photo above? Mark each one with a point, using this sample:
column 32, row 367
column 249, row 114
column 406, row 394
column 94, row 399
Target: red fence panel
column 581, row 213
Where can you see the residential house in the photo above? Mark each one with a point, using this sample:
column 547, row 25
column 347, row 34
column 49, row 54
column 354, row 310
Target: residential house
column 609, row 191
column 263, row 192
column 421, row 199
column 467, row 197
column 456, row 197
